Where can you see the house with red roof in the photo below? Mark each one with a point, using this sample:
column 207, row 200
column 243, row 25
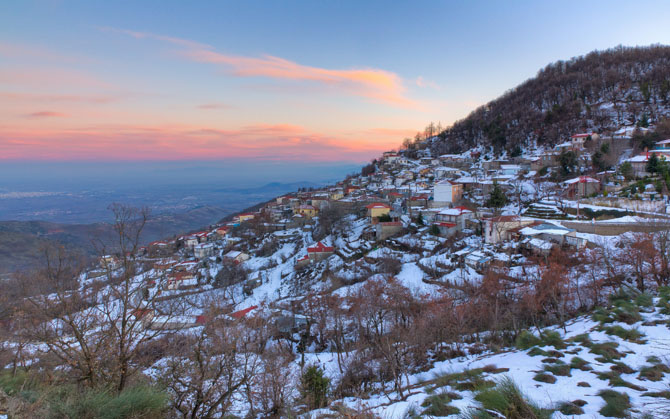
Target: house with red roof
column 387, row 229
column 319, row 252
column 581, row 186
column 242, row 313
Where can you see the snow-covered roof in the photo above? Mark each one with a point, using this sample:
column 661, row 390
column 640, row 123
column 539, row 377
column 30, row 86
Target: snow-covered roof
column 581, row 179
column 454, row 211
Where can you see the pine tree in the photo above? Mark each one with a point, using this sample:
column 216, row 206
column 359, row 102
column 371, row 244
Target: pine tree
column 497, row 199
column 652, row 164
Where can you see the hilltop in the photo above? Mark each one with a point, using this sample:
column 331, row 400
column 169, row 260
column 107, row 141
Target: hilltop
column 599, row 92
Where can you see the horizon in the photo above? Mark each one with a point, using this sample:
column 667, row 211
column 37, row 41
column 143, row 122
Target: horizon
column 296, row 82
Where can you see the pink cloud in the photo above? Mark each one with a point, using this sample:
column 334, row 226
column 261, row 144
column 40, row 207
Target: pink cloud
column 45, row 114
column 48, row 78
column 41, row 98
column 214, row 106
column 261, row 141
column 147, row 35
column 421, row 82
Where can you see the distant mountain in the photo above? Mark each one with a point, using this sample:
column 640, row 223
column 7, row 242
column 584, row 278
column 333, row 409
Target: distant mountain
column 598, row 92
column 22, row 242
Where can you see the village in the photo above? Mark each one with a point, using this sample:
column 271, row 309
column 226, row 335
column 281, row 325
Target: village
column 416, row 268
column 445, row 219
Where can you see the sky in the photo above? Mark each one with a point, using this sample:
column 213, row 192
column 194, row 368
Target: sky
column 290, row 81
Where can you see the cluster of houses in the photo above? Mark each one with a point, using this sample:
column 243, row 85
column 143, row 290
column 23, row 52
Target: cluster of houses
column 432, row 195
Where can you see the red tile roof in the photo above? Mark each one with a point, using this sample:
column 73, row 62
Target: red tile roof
column 242, row 313
column 320, row 248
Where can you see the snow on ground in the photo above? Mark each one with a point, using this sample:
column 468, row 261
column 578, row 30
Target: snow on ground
column 411, row 277
column 523, row 367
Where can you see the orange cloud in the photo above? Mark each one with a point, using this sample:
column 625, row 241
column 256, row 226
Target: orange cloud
column 377, row 85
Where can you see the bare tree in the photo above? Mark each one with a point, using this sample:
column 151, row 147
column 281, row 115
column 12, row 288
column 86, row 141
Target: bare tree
column 220, row 362
column 97, row 328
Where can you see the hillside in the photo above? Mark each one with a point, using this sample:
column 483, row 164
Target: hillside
column 424, row 287
column 598, row 92
column 22, row 242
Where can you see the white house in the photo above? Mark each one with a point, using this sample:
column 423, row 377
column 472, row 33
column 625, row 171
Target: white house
column 446, row 192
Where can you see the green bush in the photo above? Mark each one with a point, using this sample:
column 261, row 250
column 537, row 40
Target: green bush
column 314, row 387
column 607, row 350
column 543, row 377
column 438, row 405
column 535, row 351
column 644, row 300
column 580, row 364
column 653, row 372
column 583, row 339
column 559, row 369
column 614, row 379
column 14, row 384
column 136, row 402
column 570, row 409
column 508, row 400
column 554, row 339
column 632, row 335
column 616, row 404
column 602, row 315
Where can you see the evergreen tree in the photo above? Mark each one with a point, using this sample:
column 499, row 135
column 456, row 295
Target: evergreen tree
column 568, row 161
column 497, row 199
column 626, row 170
column 314, row 387
column 652, row 164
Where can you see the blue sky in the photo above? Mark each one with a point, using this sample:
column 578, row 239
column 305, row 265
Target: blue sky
column 290, row 80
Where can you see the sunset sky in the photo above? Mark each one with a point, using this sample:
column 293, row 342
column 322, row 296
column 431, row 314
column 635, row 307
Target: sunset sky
column 278, row 80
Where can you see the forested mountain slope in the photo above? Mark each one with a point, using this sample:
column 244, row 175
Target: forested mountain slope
column 598, row 92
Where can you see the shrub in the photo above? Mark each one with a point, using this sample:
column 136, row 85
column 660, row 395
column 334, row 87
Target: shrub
column 14, row 384
column 553, row 339
column 653, row 372
column 507, row 399
column 632, row 335
column 535, row 351
column 602, row 315
column 136, row 402
column 622, row 368
column 616, row 404
column 527, row 340
column 570, row 408
column 314, row 387
column 580, row 364
column 584, row 339
column 543, row 377
column 438, row 405
column 614, row 379
column 607, row 350
column 653, row 359
column 644, row 300
column 664, row 394
column 559, row 369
